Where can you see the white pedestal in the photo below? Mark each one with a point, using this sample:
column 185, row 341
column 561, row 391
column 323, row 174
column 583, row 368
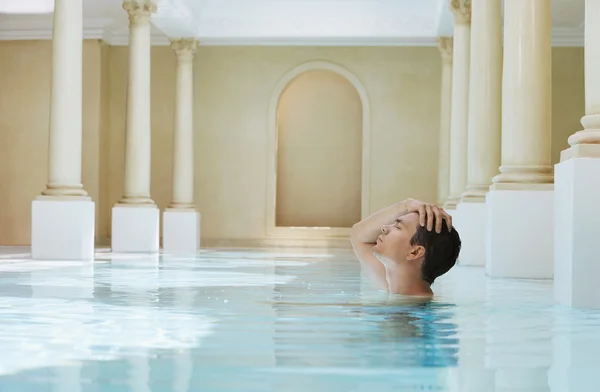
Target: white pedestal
column 455, row 218
column 135, row 229
column 181, row 231
column 455, row 214
column 577, row 212
column 472, row 233
column 62, row 229
column 519, row 235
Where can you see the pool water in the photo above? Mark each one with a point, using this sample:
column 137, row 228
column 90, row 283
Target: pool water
column 280, row 320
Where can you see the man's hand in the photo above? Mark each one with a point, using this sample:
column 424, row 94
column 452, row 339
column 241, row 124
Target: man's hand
column 427, row 213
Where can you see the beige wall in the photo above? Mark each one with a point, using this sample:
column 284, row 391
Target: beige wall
column 25, row 70
column 233, row 87
column 568, row 97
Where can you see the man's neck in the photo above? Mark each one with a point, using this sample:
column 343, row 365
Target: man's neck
column 406, row 280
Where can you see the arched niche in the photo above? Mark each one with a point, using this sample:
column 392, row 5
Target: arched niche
column 272, row 229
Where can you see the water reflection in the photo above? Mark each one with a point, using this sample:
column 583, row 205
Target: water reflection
column 335, row 327
column 281, row 321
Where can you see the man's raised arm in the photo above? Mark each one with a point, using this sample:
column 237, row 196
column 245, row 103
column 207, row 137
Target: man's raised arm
column 363, row 237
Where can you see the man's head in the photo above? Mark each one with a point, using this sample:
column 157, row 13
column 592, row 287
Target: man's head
column 406, row 241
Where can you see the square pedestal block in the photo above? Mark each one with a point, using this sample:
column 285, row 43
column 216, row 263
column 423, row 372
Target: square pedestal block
column 455, row 214
column 181, row 231
column 472, row 233
column 577, row 211
column 520, row 233
column 62, row 229
column 135, row 229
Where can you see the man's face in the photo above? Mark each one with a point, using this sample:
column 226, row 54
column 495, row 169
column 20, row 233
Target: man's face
column 394, row 241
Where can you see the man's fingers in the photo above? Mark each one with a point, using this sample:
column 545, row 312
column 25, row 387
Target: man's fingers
column 429, row 217
column 422, row 215
column 438, row 219
column 430, row 214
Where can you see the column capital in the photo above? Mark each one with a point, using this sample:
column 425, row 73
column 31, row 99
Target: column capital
column 446, row 47
column 139, row 11
column 461, row 10
column 185, row 47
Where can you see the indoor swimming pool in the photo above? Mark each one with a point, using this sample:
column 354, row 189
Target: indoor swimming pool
column 280, row 320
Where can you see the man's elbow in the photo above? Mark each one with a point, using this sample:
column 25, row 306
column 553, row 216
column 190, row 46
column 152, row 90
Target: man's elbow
column 354, row 233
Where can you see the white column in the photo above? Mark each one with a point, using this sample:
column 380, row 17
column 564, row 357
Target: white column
column 484, row 126
column 445, row 47
column 63, row 216
column 135, row 223
column 137, row 145
column 183, row 136
column 460, row 101
column 181, row 231
column 520, row 201
column 485, row 98
column 65, row 136
column 586, row 143
column 577, row 210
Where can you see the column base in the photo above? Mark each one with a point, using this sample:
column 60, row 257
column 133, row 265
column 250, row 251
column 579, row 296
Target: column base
column 62, row 229
column 523, row 177
column 519, row 235
column 475, row 194
column 181, row 231
column 472, row 233
column 451, row 203
column 577, row 211
column 135, row 228
column 581, row 151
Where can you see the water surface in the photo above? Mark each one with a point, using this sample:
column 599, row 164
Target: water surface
column 280, row 320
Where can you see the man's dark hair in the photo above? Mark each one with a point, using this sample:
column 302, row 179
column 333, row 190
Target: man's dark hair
column 441, row 250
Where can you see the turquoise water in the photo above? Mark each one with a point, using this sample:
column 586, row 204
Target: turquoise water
column 280, row 320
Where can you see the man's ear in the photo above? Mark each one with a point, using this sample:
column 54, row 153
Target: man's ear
column 417, row 252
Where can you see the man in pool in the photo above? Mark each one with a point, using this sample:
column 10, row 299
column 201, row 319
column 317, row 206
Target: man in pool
column 406, row 246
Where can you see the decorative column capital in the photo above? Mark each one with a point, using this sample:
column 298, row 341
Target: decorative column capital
column 139, row 11
column 461, row 10
column 185, row 48
column 446, row 47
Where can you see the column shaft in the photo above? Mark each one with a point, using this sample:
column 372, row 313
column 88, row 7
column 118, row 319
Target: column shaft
column 183, row 138
column 138, row 132
column 586, row 143
column 65, row 133
column 460, row 100
column 485, row 98
column 446, row 47
column 526, row 96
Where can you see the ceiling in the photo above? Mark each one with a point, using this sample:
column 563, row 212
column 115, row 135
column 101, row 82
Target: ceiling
column 284, row 22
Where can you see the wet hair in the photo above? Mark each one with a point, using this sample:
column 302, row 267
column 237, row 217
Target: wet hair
column 441, row 250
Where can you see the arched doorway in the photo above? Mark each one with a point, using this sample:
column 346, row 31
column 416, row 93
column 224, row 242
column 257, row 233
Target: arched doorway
column 318, row 170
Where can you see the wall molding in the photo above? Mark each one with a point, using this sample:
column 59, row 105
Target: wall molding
column 568, row 36
column 116, row 35
column 97, row 28
column 319, row 41
column 317, row 243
